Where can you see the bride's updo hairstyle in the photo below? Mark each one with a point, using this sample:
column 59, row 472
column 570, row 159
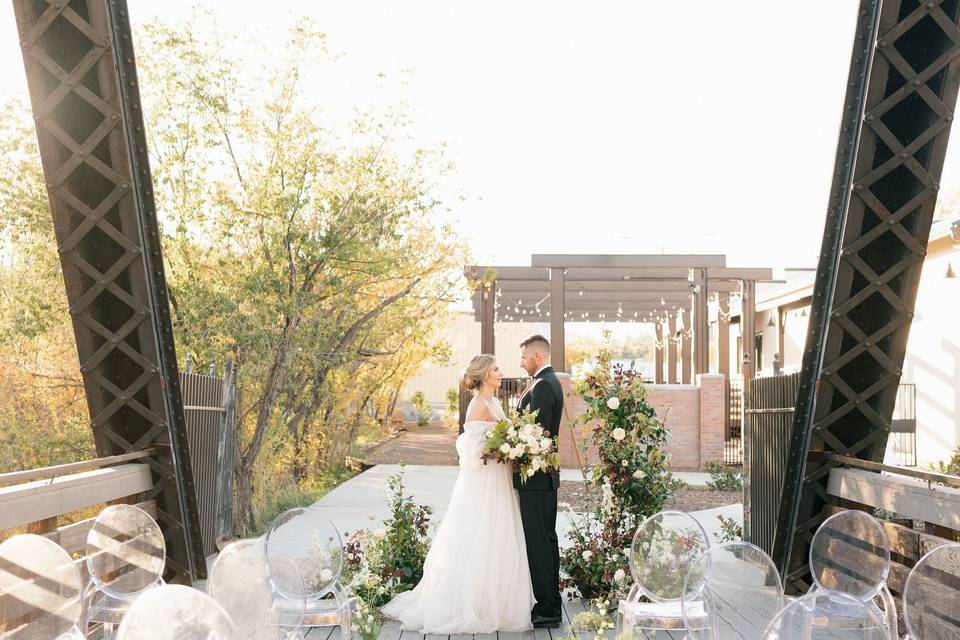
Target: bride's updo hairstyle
column 476, row 372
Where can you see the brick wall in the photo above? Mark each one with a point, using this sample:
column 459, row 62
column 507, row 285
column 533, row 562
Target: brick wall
column 694, row 413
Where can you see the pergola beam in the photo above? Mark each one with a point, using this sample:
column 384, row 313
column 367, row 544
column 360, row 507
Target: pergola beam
column 573, row 286
column 628, row 261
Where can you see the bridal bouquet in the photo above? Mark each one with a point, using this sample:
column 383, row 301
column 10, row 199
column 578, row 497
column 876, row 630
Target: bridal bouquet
column 522, row 443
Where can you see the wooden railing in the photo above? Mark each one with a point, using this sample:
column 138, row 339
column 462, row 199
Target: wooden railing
column 47, row 501
column 923, row 508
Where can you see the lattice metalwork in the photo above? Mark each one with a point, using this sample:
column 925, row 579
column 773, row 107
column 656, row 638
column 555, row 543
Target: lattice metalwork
column 897, row 115
column 83, row 86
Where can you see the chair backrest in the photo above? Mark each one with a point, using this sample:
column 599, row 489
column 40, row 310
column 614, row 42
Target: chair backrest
column 731, row 591
column 822, row 615
column 850, row 553
column 176, row 612
column 311, row 539
column 931, row 595
column 40, row 589
column 245, row 583
column 664, row 546
column 126, row 552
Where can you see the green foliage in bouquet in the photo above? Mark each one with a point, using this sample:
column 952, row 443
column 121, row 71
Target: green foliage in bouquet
column 383, row 562
column 631, row 474
column 522, row 443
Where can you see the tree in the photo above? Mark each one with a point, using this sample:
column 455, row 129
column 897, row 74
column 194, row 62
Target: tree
column 317, row 260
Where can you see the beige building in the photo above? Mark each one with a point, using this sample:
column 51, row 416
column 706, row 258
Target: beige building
column 931, row 372
column 463, row 334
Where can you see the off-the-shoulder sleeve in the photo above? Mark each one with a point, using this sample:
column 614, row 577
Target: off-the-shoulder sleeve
column 470, row 448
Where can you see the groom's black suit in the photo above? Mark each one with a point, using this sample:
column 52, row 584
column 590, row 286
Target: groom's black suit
column 538, row 500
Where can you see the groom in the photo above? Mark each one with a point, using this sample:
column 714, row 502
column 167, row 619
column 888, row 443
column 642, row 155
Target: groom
column 538, row 496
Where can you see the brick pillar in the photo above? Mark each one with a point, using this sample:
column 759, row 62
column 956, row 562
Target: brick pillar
column 713, row 397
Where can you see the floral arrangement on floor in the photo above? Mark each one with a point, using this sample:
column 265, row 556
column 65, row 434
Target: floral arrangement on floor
column 523, row 444
column 631, row 474
column 380, row 563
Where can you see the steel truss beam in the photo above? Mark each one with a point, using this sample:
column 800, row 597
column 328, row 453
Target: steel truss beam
column 82, row 78
column 896, row 120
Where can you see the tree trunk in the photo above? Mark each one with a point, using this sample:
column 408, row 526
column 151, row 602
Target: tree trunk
column 244, row 484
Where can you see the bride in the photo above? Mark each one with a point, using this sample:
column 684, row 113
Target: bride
column 475, row 578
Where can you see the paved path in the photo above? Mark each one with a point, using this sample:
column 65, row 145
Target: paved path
column 429, row 445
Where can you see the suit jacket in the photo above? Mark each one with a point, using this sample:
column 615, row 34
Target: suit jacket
column 547, row 397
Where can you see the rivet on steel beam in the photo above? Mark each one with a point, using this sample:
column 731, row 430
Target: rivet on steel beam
column 879, row 283
column 827, row 373
column 124, row 186
column 835, row 314
column 23, row 42
column 114, row 116
column 869, row 118
column 916, row 82
column 949, row 117
column 104, row 281
column 910, row 314
column 903, row 155
column 891, row 221
column 858, row 187
column 881, row 43
column 866, row 343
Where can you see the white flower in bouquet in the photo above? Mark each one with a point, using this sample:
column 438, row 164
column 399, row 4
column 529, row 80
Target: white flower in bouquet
column 326, row 575
column 546, row 443
column 512, row 432
column 613, row 403
column 618, row 434
column 533, row 447
column 515, row 453
column 619, row 575
column 380, row 533
column 531, row 471
column 587, row 555
column 505, row 448
column 624, row 462
column 639, row 474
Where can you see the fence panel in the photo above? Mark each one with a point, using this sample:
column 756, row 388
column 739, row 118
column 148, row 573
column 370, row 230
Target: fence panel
column 768, row 417
column 207, row 402
column 733, row 434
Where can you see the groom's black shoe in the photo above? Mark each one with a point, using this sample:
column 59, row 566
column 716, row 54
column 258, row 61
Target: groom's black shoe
column 544, row 622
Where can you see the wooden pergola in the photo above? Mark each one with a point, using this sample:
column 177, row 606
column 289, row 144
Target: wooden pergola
column 669, row 291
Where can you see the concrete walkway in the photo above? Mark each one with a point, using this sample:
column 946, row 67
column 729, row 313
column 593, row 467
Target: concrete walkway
column 361, row 502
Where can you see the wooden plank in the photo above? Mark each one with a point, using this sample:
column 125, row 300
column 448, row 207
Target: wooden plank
column 18, row 477
column 903, row 496
column 32, row 501
column 73, row 537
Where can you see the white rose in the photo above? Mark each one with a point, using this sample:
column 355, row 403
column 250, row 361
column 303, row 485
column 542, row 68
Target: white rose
column 505, row 448
column 534, row 447
column 618, row 434
column 516, row 452
column 587, row 555
column 380, row 533
column 639, row 474
column 613, row 403
column 326, row 575
column 511, row 432
column 619, row 575
column 546, row 443
column 623, row 462
column 531, row 471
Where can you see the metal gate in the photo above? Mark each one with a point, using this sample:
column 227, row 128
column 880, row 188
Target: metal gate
column 733, row 434
column 769, row 418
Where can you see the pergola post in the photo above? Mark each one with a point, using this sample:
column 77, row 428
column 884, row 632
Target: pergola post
column 701, row 324
column 672, row 377
column 748, row 330
column 557, row 310
column 723, row 334
column 658, row 353
column 686, row 350
column 781, row 334
column 487, row 299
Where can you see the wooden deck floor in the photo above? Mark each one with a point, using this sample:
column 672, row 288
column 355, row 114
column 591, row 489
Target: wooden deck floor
column 391, row 631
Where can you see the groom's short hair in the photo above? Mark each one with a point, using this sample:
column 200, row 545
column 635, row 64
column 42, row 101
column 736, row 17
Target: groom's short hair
column 538, row 341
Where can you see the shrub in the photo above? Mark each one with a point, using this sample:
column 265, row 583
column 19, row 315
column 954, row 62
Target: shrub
column 949, row 467
column 422, row 407
column 453, row 405
column 730, row 530
column 723, row 477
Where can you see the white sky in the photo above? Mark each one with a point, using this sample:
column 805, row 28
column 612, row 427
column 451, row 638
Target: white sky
column 597, row 126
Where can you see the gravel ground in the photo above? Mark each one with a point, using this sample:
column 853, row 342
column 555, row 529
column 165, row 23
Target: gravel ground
column 582, row 499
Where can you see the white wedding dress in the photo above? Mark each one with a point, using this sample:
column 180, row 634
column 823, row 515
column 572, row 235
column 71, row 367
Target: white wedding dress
column 475, row 578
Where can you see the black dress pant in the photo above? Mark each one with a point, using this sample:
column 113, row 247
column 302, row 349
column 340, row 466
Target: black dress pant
column 538, row 511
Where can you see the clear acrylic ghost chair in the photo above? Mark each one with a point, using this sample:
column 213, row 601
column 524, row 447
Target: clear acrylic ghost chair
column 850, row 553
column 40, row 591
column 931, row 595
column 245, row 583
column 176, row 612
column 738, row 588
column 664, row 546
column 126, row 554
column 312, row 540
column 826, row 615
